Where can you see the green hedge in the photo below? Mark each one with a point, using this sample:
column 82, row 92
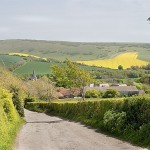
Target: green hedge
column 128, row 119
column 9, row 120
column 16, row 87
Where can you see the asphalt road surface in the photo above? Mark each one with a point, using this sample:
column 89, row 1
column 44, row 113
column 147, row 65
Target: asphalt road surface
column 43, row 132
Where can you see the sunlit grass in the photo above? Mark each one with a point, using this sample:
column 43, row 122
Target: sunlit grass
column 76, row 100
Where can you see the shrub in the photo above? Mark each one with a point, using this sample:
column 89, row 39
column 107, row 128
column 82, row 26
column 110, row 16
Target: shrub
column 17, row 100
column 14, row 85
column 143, row 133
column 111, row 93
column 93, row 94
column 114, row 121
column 29, row 99
column 137, row 110
column 9, row 120
column 120, row 67
column 133, row 75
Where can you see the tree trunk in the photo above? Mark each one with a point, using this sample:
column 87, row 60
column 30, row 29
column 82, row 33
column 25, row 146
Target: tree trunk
column 83, row 92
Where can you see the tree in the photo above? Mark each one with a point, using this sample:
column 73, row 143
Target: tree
column 70, row 75
column 111, row 93
column 120, row 67
column 148, row 19
column 42, row 88
column 93, row 94
column 145, row 79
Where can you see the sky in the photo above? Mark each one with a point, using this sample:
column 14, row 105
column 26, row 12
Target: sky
column 76, row 20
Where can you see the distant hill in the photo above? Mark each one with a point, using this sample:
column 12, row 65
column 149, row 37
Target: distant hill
column 75, row 51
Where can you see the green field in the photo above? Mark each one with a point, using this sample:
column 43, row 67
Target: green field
column 144, row 55
column 7, row 61
column 73, row 50
column 28, row 66
column 38, row 67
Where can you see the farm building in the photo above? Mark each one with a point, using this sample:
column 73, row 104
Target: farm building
column 123, row 90
column 68, row 93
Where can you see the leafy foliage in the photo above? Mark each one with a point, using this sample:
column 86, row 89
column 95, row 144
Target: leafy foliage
column 42, row 89
column 93, row 94
column 9, row 120
column 114, row 121
column 111, row 93
column 70, row 76
column 16, row 86
column 120, row 67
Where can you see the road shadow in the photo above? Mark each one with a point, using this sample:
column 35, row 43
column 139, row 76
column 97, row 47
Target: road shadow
column 57, row 121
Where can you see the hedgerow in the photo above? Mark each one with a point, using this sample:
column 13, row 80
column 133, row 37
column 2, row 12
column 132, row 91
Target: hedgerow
column 16, row 87
column 128, row 119
column 9, row 120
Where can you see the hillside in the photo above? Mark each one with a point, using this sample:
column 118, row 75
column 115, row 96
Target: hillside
column 76, row 51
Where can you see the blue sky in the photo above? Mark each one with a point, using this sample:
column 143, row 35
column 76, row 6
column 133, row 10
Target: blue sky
column 76, row 20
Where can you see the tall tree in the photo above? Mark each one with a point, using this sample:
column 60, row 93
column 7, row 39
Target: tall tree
column 70, row 75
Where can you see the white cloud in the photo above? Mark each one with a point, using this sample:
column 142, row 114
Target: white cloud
column 76, row 20
column 32, row 19
column 4, row 29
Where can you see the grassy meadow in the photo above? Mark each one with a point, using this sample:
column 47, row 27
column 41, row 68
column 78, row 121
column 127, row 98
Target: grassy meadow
column 6, row 60
column 126, row 60
column 39, row 67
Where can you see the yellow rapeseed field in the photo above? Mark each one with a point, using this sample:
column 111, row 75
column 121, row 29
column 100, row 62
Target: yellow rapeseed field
column 126, row 60
column 26, row 55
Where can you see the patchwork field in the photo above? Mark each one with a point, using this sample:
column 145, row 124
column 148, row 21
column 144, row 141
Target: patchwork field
column 39, row 67
column 91, row 54
column 126, row 60
column 7, row 60
column 75, row 51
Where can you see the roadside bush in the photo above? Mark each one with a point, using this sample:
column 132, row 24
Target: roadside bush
column 9, row 120
column 143, row 133
column 114, row 121
column 93, row 94
column 29, row 99
column 137, row 109
column 17, row 100
column 16, row 87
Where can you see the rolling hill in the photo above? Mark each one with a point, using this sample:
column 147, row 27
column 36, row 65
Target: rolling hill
column 28, row 55
column 76, row 51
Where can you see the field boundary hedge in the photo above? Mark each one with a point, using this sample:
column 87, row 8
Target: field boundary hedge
column 10, row 120
column 128, row 119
